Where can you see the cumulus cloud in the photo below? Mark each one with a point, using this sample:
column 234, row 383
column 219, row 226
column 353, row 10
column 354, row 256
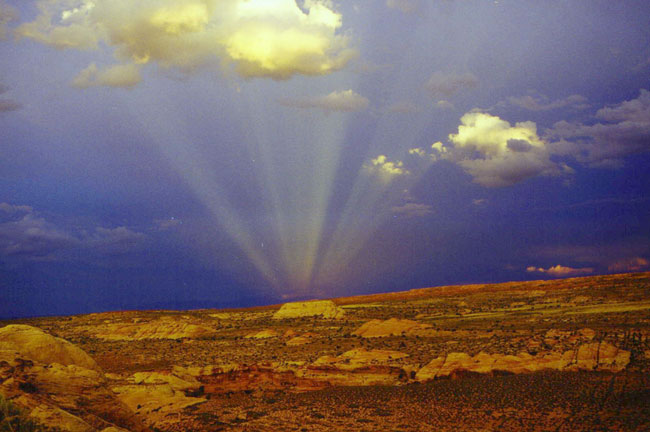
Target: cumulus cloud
column 412, row 210
column 385, row 170
column 633, row 264
column 121, row 75
column 7, row 14
column 443, row 84
column 497, row 154
column 624, row 131
column 561, row 271
column 542, row 103
column 259, row 38
column 406, row 6
column 345, row 100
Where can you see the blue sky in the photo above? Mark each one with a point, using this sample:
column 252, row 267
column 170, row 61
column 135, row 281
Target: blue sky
column 215, row 153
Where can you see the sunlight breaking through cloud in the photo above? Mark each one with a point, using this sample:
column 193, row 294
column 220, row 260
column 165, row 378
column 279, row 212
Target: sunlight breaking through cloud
column 259, row 38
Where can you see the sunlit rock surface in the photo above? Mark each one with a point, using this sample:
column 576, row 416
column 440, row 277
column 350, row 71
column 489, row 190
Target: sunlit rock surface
column 158, row 329
column 321, row 308
column 58, row 384
column 34, row 344
column 484, row 357
column 390, row 327
column 592, row 356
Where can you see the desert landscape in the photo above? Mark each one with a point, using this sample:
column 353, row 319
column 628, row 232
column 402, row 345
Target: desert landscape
column 560, row 355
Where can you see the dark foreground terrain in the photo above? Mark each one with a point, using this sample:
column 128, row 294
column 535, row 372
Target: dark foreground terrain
column 565, row 355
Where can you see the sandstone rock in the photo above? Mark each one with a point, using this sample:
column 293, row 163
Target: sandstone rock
column 358, row 367
column 34, row 344
column 51, row 415
column 601, row 356
column 263, row 334
column 591, row 356
column 303, row 339
column 322, row 308
column 165, row 328
column 160, row 404
column 176, row 383
column 361, row 357
column 390, row 327
column 69, row 397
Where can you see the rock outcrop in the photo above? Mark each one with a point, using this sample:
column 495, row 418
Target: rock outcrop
column 600, row 356
column 158, row 329
column 262, row 334
column 390, row 327
column 34, row 344
column 316, row 308
column 58, row 383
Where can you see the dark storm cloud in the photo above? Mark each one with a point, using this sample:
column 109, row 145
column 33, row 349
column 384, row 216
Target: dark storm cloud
column 625, row 131
column 24, row 234
column 33, row 237
column 542, row 103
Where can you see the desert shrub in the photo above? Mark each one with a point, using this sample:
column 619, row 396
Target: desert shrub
column 12, row 419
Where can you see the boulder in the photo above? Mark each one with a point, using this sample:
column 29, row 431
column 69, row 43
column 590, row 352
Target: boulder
column 315, row 308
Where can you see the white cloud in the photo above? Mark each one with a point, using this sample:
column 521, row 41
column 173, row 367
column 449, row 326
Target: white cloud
column 449, row 84
column 418, row 152
column 542, row 103
column 406, row 6
column 385, row 170
column 624, row 132
column 258, row 38
column 346, row 100
column 122, row 75
column 561, row 271
column 497, row 154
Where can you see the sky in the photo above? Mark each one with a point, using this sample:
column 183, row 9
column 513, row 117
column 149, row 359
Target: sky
column 184, row 154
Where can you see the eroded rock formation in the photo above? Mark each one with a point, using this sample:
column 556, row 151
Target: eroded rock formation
column 320, row 308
